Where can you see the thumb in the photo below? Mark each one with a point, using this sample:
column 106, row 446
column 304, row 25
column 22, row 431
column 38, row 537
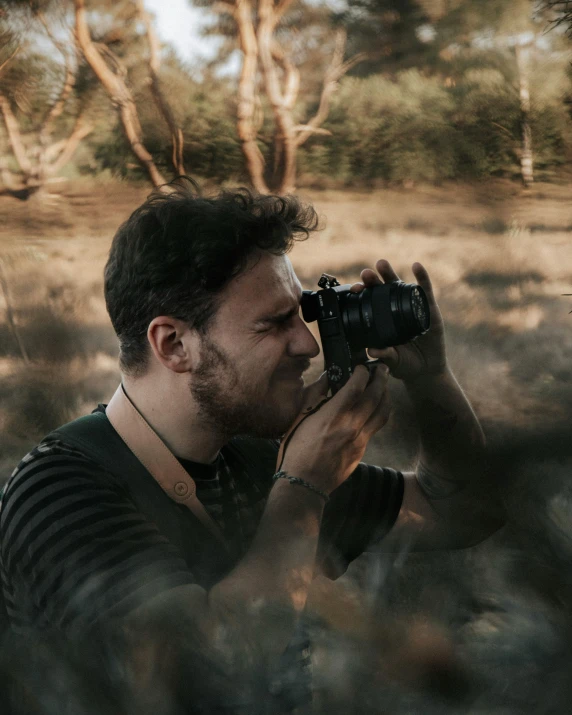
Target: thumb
column 315, row 392
column 388, row 356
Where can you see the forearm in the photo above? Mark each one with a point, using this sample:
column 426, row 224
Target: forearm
column 269, row 586
column 452, row 471
column 452, row 443
column 245, row 621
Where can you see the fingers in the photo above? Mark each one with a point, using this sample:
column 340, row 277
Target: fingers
column 385, row 270
column 370, row 277
column 388, row 356
column 361, row 403
column 350, row 393
column 422, row 277
column 371, row 396
column 379, row 416
column 388, row 275
column 357, row 288
column 315, row 392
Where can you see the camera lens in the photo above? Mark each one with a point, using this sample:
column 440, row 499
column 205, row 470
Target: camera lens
column 384, row 315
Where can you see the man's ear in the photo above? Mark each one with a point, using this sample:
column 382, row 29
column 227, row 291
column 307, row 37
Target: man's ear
column 174, row 344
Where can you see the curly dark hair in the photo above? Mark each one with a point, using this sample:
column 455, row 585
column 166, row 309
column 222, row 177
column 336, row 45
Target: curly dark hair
column 177, row 251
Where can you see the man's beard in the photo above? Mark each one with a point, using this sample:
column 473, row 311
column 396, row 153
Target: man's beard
column 233, row 407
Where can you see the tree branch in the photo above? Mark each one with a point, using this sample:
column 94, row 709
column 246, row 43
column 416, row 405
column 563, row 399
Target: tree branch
column 80, row 131
column 291, row 76
column 264, row 35
column 333, row 74
column 9, row 59
column 280, row 9
column 222, row 8
column 14, row 136
column 67, row 88
column 313, row 130
column 158, row 95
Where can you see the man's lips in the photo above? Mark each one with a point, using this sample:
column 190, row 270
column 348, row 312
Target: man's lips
column 295, row 374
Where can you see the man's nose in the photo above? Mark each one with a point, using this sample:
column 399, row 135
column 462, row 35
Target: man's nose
column 303, row 343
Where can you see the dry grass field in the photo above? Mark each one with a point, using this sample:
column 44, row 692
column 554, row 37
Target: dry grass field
column 496, row 619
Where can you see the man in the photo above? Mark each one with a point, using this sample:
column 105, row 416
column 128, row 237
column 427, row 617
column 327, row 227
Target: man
column 205, row 304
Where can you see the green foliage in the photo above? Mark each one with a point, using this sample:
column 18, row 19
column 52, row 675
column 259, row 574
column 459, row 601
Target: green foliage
column 417, row 128
column 207, row 119
column 412, row 127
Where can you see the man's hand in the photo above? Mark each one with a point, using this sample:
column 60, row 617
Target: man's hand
column 328, row 445
column 426, row 354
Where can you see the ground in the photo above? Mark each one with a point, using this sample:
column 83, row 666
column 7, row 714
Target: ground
column 501, row 260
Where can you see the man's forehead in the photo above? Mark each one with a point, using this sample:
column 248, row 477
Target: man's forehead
column 268, row 283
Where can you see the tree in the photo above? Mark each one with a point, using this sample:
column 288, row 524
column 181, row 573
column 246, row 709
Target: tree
column 516, row 28
column 61, row 112
column 112, row 75
column 389, row 31
column 269, row 74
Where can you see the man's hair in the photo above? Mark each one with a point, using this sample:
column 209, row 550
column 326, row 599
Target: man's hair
column 177, row 252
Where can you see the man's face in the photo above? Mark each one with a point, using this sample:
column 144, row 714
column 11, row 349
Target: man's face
column 249, row 379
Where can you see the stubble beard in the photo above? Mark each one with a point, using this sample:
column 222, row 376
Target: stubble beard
column 230, row 406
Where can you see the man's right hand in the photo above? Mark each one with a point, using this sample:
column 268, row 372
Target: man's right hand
column 329, row 444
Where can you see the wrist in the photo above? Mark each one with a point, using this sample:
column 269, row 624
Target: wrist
column 291, row 499
column 298, row 481
column 321, row 483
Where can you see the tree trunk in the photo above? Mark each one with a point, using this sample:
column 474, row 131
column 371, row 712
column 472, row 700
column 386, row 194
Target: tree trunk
column 247, row 95
column 14, row 137
column 526, row 158
column 119, row 93
column 268, row 19
column 258, row 42
column 160, row 99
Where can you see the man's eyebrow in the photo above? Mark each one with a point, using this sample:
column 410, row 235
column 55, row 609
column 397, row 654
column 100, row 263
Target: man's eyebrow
column 284, row 315
column 281, row 316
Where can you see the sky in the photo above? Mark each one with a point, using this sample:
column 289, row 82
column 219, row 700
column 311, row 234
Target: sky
column 179, row 23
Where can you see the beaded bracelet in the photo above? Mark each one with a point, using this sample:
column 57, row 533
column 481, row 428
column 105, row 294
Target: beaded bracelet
column 296, row 480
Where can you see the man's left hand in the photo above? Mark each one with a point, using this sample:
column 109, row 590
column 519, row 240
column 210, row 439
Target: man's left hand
column 426, row 354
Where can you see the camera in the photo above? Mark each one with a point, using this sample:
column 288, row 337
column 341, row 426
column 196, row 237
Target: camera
column 378, row 317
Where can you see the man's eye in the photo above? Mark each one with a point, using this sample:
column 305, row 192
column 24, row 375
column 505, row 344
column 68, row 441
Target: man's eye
column 284, row 322
column 279, row 323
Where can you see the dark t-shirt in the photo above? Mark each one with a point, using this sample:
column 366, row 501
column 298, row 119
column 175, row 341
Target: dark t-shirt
column 74, row 547
column 76, row 551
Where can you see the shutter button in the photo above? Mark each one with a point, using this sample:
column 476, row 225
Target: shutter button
column 181, row 489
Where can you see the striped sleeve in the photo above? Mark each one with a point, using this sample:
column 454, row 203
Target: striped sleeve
column 360, row 512
column 74, row 549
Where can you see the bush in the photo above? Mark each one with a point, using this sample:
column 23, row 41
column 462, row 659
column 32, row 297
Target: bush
column 414, row 126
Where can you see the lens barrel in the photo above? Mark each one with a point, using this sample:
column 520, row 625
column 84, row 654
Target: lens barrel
column 384, row 315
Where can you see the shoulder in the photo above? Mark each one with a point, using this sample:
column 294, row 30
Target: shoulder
column 50, row 467
column 52, row 451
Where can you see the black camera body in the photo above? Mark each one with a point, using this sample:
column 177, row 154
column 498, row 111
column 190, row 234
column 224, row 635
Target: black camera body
column 377, row 317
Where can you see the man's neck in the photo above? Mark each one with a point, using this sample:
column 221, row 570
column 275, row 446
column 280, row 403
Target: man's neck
column 170, row 411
